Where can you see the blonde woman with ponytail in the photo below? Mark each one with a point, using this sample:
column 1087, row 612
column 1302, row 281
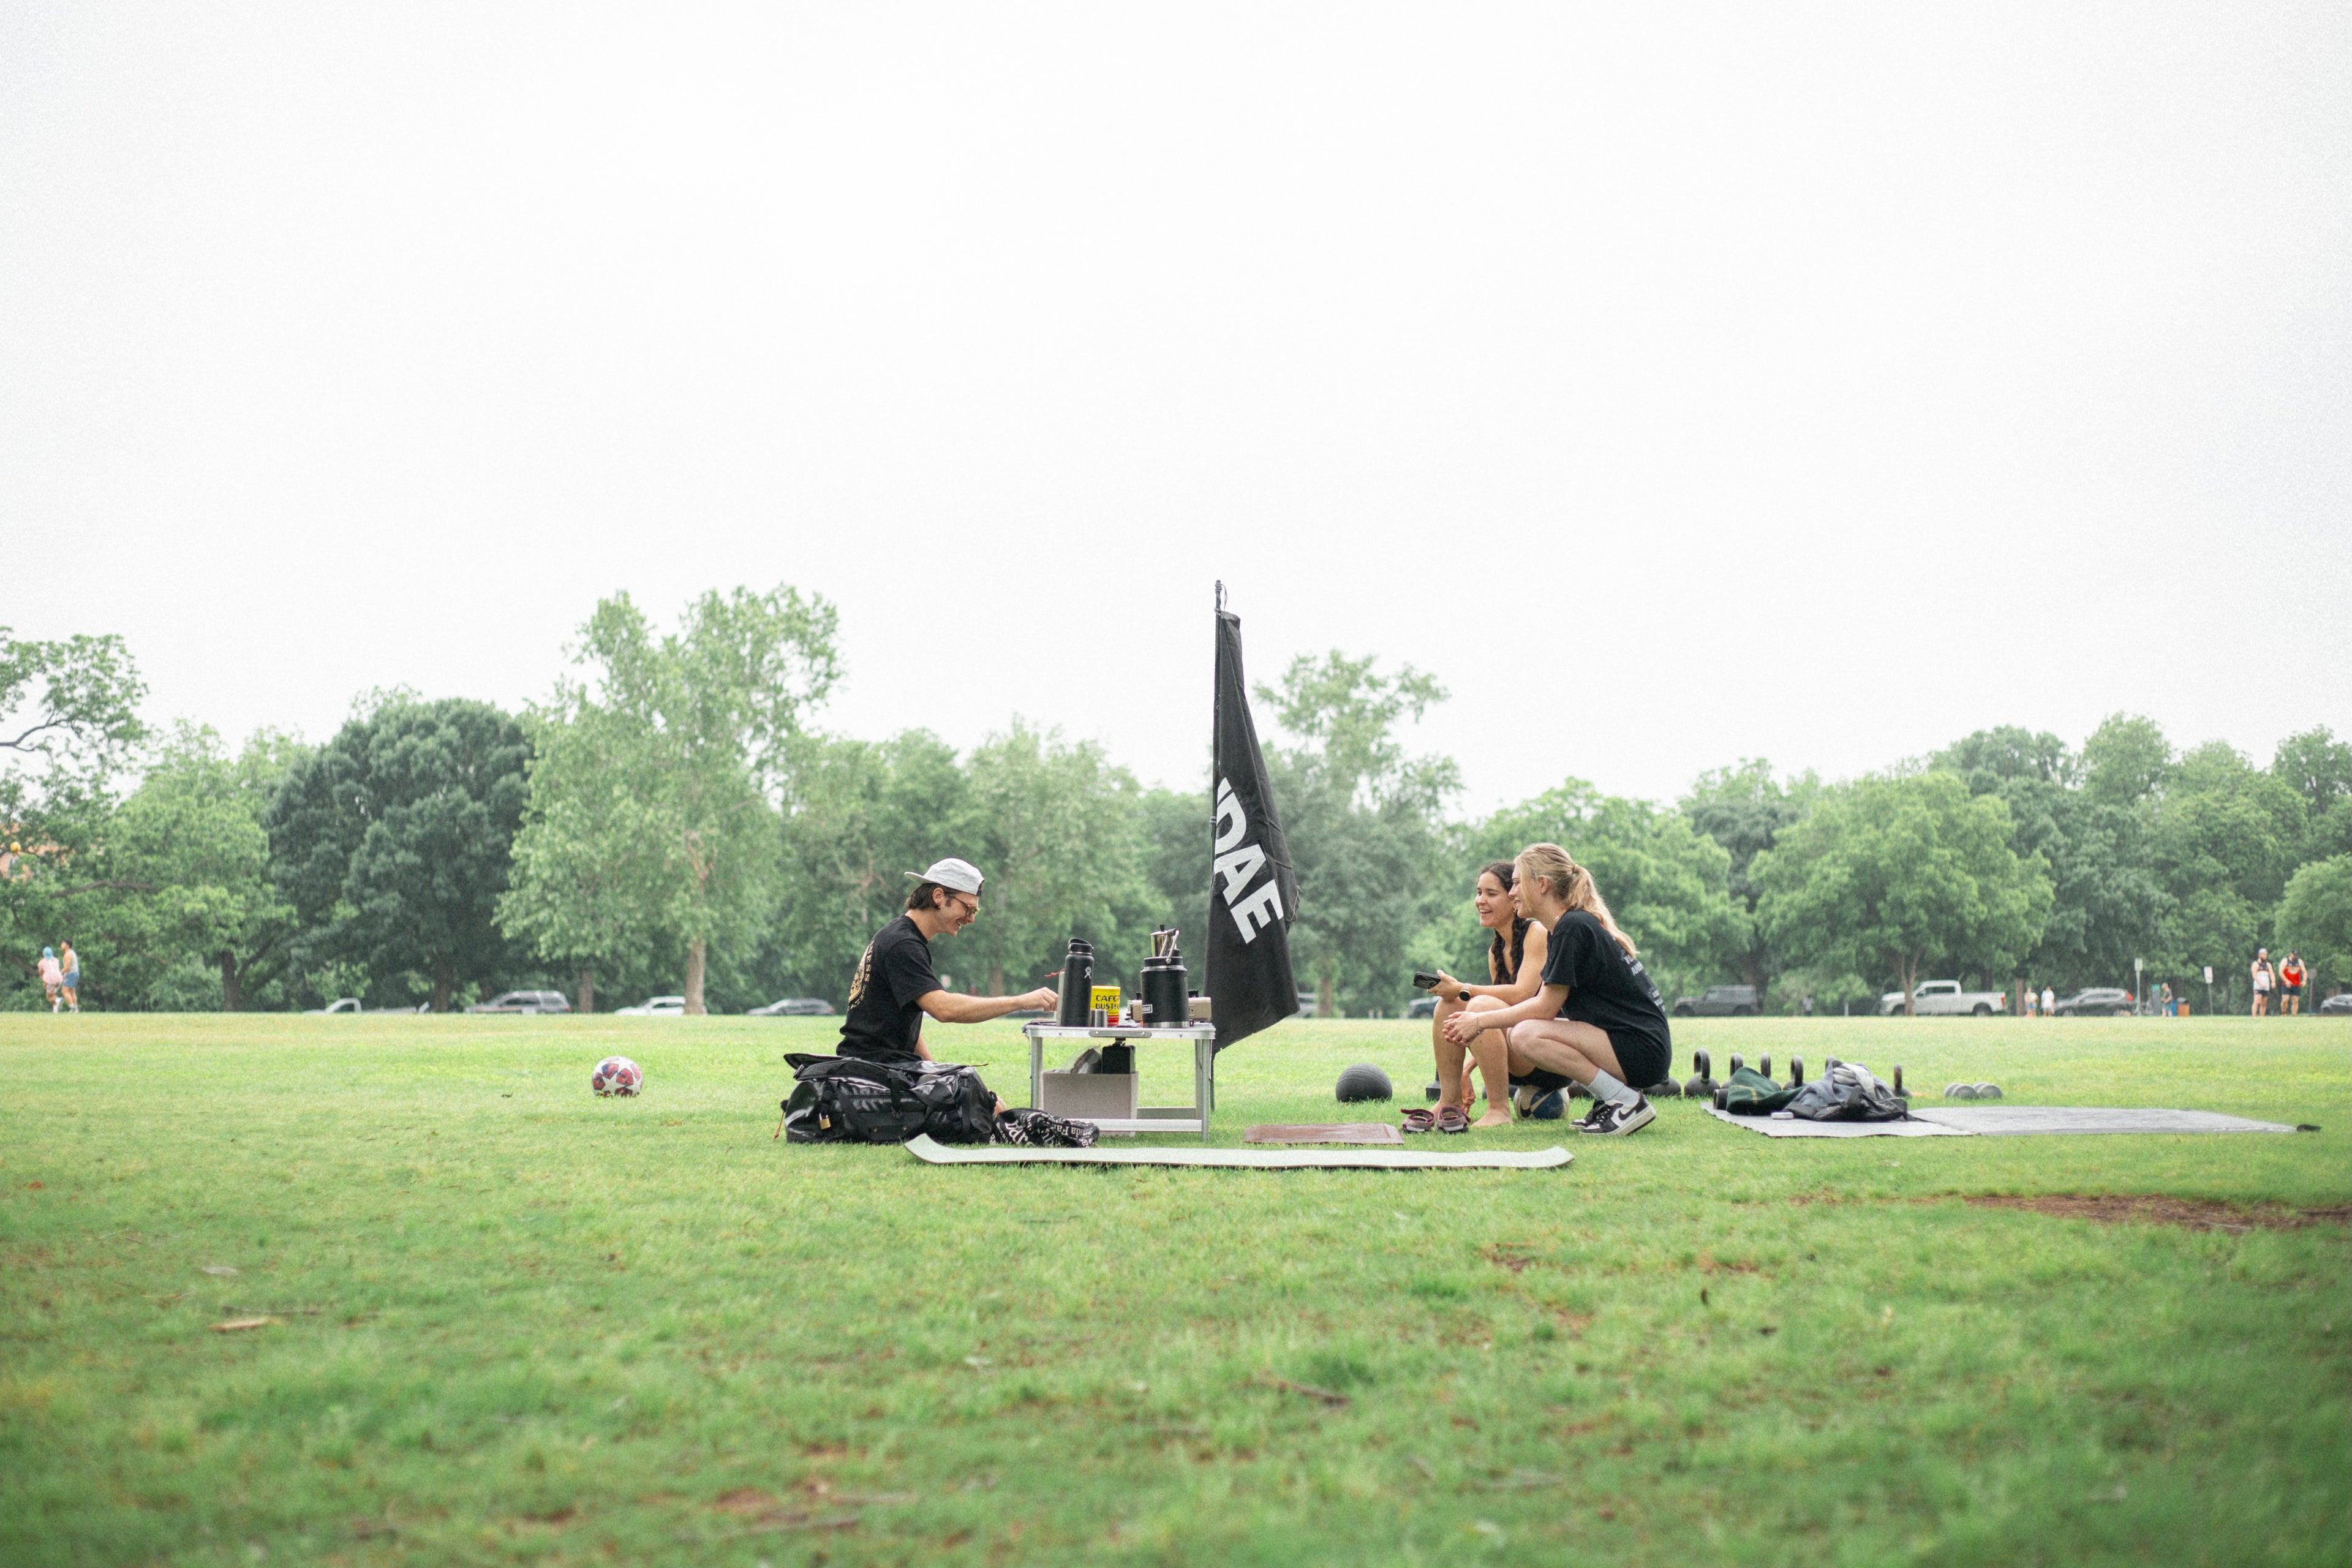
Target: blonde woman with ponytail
column 1599, row 1020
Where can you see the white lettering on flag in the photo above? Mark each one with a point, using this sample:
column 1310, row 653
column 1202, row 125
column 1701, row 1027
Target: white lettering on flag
column 1261, row 909
column 1238, row 865
column 1232, row 825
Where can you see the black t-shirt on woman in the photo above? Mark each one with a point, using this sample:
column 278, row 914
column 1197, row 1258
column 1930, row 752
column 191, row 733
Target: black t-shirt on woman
column 1607, row 986
column 883, row 1023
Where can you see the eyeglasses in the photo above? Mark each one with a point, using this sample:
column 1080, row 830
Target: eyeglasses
column 972, row 907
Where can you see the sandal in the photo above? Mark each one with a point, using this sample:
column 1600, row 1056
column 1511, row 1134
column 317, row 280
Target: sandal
column 1450, row 1118
column 1419, row 1120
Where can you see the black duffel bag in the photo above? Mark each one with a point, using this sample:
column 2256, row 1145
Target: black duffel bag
column 848, row 1100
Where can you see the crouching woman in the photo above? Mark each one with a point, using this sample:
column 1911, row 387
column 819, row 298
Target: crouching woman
column 1598, row 1020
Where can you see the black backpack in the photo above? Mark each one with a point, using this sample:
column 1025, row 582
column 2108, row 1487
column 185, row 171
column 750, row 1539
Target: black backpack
column 847, row 1099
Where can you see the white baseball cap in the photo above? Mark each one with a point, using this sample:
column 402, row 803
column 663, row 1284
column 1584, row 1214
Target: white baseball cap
column 958, row 876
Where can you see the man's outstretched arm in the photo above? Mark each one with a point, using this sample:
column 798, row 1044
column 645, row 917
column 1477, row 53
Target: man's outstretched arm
column 950, row 1008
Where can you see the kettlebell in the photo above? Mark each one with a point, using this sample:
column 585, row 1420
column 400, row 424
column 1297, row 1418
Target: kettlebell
column 1700, row 1085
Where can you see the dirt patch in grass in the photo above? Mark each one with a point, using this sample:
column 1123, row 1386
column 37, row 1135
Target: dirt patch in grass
column 2197, row 1214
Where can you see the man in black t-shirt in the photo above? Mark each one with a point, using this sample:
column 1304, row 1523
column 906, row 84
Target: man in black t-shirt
column 894, row 985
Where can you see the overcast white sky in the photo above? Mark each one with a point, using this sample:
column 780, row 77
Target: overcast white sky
column 1678, row 385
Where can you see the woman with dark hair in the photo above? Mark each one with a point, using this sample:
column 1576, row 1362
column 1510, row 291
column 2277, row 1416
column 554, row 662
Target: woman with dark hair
column 1514, row 957
column 1597, row 1019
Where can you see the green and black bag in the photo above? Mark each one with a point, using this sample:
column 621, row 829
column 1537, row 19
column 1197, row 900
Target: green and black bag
column 1750, row 1093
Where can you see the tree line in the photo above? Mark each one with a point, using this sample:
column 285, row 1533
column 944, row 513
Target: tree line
column 671, row 819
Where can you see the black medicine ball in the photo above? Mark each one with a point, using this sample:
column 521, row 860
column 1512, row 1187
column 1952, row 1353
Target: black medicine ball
column 1364, row 1081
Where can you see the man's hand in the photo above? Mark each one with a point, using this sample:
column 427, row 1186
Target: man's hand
column 1044, row 997
column 1463, row 1027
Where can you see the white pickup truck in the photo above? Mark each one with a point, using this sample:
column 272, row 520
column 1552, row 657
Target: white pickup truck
column 1937, row 997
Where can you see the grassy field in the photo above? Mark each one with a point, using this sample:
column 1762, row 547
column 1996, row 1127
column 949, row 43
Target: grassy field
column 514, row 1323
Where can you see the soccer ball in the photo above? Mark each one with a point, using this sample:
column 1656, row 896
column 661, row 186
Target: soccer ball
column 616, row 1074
column 1550, row 1107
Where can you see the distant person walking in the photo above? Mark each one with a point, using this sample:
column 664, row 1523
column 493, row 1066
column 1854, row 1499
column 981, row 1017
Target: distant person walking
column 2165, row 999
column 2290, row 978
column 70, row 961
column 2049, row 1000
column 52, row 977
column 2261, row 972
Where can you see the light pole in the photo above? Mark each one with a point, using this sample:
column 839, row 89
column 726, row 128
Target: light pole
column 2209, row 989
column 2140, row 991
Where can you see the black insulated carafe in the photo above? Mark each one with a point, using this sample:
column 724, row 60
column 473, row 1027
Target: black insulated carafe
column 1078, row 985
column 1163, row 987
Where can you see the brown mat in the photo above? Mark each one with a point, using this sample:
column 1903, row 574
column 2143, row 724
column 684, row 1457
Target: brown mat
column 1326, row 1133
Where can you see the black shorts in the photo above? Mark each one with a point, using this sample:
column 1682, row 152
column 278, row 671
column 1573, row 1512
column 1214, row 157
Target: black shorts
column 1646, row 1061
column 2283, row 990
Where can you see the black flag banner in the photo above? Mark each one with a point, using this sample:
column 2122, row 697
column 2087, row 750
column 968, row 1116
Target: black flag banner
column 1253, row 893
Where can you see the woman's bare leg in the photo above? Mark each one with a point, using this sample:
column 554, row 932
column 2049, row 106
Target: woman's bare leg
column 1491, row 1051
column 1453, row 1077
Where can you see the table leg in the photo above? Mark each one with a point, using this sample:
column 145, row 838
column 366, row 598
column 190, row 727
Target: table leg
column 1036, row 1071
column 1201, row 1054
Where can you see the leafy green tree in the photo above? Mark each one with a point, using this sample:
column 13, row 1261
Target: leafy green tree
column 1363, row 819
column 653, row 816
column 2106, row 899
column 1058, row 835
column 1668, row 884
column 2125, row 761
column 2319, row 767
column 188, row 854
column 1745, row 809
column 1889, row 875
column 392, row 842
column 2222, row 841
column 69, row 726
column 858, row 816
column 2314, row 918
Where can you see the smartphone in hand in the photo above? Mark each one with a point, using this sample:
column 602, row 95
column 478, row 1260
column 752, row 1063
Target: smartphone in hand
column 1423, row 979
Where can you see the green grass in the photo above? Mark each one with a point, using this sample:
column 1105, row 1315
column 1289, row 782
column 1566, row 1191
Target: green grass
column 520, row 1324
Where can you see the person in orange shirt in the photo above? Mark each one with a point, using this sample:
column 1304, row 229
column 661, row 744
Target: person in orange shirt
column 2291, row 986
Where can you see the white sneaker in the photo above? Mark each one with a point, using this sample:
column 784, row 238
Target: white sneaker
column 1612, row 1119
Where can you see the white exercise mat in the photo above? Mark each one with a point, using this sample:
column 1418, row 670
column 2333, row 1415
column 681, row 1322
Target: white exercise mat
column 1796, row 1127
column 1256, row 1158
column 2009, row 1121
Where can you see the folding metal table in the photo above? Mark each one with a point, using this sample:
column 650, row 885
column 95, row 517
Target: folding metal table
column 1192, row 1118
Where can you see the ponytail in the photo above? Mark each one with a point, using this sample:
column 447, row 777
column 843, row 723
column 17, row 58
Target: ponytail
column 1571, row 884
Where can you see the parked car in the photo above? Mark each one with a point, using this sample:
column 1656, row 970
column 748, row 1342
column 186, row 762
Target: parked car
column 341, row 1005
column 655, row 1007
column 1306, row 1003
column 2339, row 1002
column 1944, row 998
column 794, row 1007
column 1421, row 1007
column 2098, row 1002
column 531, row 1002
column 1720, row 1002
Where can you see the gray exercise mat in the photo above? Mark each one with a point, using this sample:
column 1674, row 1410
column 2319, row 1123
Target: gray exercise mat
column 2009, row 1121
column 926, row 1149
column 1796, row 1127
